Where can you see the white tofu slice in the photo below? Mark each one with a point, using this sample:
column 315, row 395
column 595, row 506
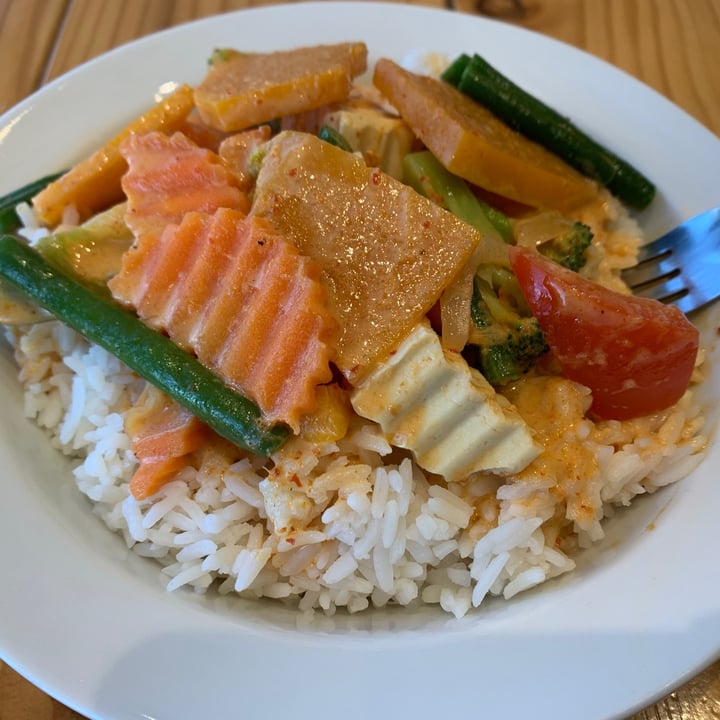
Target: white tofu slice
column 382, row 139
column 433, row 403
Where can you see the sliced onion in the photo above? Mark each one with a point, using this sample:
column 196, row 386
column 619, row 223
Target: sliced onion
column 455, row 311
column 536, row 229
column 456, row 298
column 455, row 304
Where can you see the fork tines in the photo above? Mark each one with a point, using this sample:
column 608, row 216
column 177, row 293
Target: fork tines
column 658, row 274
column 681, row 268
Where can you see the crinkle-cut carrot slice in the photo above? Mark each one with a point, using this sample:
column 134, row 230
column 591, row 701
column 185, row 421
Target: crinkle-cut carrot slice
column 288, row 360
column 289, row 366
column 94, row 183
column 160, row 427
column 163, row 435
column 211, row 251
column 304, row 293
column 225, row 307
column 170, row 175
column 166, row 178
column 243, row 89
column 130, row 283
column 255, row 329
column 263, row 323
column 164, row 270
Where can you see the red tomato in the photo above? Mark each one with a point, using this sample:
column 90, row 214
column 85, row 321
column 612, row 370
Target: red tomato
column 636, row 355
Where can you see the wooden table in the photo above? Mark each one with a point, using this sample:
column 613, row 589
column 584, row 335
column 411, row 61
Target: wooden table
column 672, row 45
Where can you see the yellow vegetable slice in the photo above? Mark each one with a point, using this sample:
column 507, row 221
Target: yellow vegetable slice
column 245, row 89
column 94, row 183
column 472, row 143
column 330, row 420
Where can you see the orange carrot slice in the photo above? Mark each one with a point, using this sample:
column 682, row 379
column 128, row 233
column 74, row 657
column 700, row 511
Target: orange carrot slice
column 249, row 305
column 200, row 272
column 169, row 176
column 163, row 435
column 153, row 473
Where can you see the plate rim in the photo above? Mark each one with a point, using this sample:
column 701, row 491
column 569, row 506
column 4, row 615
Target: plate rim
column 59, row 85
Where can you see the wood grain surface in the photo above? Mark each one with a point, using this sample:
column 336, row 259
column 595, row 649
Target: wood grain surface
column 672, row 45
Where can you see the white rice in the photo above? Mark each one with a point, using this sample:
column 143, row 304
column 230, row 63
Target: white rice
column 365, row 526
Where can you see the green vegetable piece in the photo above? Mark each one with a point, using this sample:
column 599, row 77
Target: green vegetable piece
column 510, row 357
column 507, row 288
column 92, row 252
column 479, row 310
column 544, row 125
column 429, row 177
column 499, row 364
column 501, row 311
column 9, row 220
column 150, row 354
column 570, row 249
column 331, row 135
column 222, row 55
column 507, row 338
column 453, row 72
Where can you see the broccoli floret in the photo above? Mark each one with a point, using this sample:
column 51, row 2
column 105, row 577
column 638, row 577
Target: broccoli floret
column 504, row 363
column 506, row 338
column 569, row 249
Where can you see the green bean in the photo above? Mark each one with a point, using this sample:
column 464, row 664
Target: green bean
column 152, row 355
column 544, row 125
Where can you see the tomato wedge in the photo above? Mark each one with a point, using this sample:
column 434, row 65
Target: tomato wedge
column 635, row 355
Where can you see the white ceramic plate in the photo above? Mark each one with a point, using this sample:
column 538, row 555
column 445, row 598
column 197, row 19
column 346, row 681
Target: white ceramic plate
column 93, row 626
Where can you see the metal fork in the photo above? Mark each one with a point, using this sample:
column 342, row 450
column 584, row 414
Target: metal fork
column 682, row 267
